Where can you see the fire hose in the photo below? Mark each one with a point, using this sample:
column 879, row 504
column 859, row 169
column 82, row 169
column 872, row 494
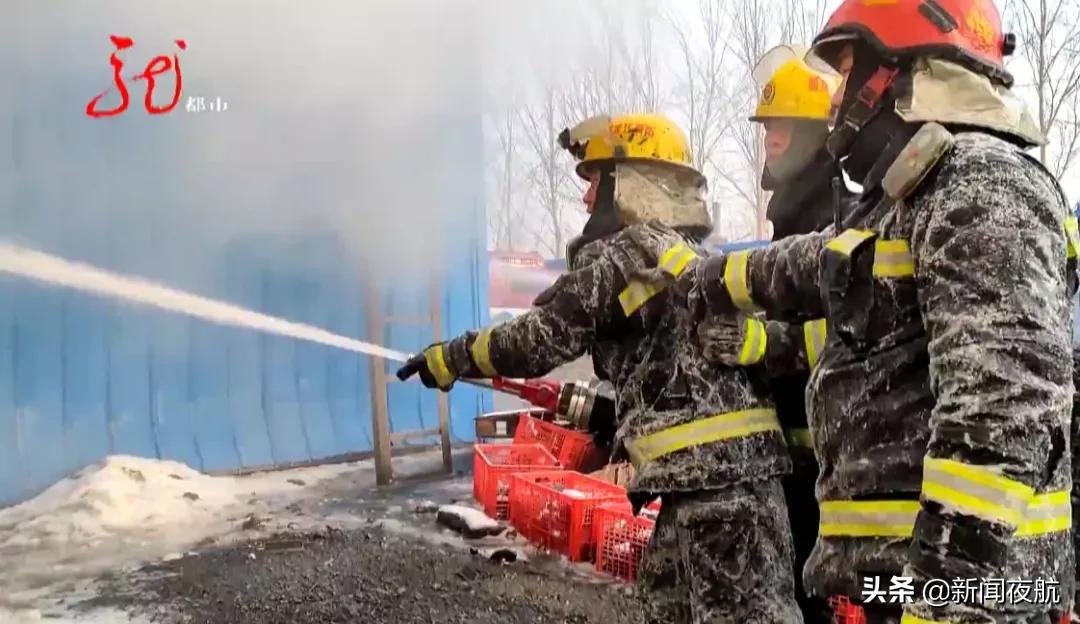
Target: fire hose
column 587, row 405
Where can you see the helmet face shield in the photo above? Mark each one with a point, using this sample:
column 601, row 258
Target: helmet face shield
column 824, row 56
column 773, row 60
column 791, row 89
column 576, row 139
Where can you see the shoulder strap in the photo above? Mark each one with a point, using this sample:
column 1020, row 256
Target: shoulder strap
column 925, row 149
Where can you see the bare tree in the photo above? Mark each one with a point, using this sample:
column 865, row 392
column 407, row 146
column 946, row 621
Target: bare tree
column 1048, row 31
column 754, row 32
column 801, row 20
column 617, row 73
column 750, row 25
column 635, row 51
column 503, row 218
column 540, row 124
column 703, row 88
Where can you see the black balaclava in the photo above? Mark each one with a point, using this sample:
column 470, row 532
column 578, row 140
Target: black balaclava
column 605, row 219
column 804, row 204
column 807, row 137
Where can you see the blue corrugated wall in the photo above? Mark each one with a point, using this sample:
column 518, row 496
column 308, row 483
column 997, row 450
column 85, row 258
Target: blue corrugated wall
column 197, row 202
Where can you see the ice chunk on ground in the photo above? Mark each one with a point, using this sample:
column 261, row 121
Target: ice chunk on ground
column 467, row 521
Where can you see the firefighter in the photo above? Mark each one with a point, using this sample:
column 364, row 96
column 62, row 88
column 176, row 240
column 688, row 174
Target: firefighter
column 939, row 409
column 700, row 435
column 795, row 108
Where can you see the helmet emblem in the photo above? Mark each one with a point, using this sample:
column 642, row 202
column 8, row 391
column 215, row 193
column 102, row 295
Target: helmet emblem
column 817, row 84
column 980, row 29
column 768, row 93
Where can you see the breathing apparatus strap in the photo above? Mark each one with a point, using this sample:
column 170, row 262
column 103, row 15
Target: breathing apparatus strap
column 865, row 106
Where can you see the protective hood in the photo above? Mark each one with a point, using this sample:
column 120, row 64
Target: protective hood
column 952, row 94
column 807, row 139
column 675, row 196
column 805, row 204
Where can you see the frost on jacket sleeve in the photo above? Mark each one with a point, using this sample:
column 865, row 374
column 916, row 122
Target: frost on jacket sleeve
column 781, row 279
column 558, row 328
column 785, row 352
column 990, row 258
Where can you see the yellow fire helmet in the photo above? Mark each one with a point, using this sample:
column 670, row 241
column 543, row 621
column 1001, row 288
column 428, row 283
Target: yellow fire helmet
column 790, row 88
column 621, row 138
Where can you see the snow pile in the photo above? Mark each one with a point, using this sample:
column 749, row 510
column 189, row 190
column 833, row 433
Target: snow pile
column 126, row 510
column 123, row 497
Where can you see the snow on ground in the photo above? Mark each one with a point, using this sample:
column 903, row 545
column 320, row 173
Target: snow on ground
column 102, row 616
column 125, row 511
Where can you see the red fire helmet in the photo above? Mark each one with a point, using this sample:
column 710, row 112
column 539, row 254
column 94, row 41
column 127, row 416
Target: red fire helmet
column 967, row 32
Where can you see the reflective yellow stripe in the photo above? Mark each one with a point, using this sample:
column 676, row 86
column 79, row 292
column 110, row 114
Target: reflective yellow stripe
column 976, row 491
column 814, row 333
column 675, row 260
column 737, row 280
column 1072, row 236
column 480, row 353
column 650, row 447
column 1047, row 513
column 848, row 241
column 892, row 258
column 882, row 518
column 436, row 363
column 800, row 437
column 635, row 295
column 753, row 349
column 907, row 618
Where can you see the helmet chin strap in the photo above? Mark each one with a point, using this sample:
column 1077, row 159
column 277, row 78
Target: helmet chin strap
column 605, row 219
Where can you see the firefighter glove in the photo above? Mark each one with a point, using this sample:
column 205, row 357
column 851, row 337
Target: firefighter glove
column 700, row 288
column 707, row 290
column 733, row 341
column 441, row 364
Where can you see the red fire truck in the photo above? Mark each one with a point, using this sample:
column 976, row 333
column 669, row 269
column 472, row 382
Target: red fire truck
column 515, row 279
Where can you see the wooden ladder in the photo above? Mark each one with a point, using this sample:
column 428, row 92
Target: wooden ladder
column 377, row 322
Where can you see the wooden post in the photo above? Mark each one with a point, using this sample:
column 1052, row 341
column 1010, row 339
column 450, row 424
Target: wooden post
column 380, row 410
column 444, row 400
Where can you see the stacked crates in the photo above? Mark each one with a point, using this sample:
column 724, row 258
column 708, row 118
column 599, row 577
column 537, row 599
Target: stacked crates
column 534, row 483
column 493, row 464
column 554, row 510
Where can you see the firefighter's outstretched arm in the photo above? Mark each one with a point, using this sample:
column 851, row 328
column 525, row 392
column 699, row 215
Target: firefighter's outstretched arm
column 782, row 348
column 556, row 330
column 990, row 257
column 780, row 279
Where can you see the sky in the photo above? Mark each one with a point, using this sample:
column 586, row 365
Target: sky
column 357, row 120
column 336, row 120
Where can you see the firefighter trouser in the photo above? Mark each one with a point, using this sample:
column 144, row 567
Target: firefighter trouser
column 721, row 556
column 803, row 516
column 849, row 613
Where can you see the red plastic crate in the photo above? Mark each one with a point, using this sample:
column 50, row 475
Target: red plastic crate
column 554, row 509
column 846, row 612
column 571, row 447
column 492, row 466
column 621, row 538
